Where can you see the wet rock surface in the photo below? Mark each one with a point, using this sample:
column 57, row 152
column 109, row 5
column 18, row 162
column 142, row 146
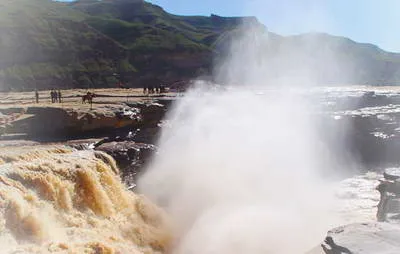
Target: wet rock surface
column 369, row 124
column 152, row 113
column 367, row 238
column 132, row 147
column 130, row 156
column 389, row 203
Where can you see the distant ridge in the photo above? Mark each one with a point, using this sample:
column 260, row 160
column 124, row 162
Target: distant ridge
column 90, row 43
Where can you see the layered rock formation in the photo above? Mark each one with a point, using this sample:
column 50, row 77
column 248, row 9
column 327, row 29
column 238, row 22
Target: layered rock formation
column 64, row 122
column 72, row 122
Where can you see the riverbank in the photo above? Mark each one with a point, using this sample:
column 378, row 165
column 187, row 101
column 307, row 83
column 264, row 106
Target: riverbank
column 21, row 117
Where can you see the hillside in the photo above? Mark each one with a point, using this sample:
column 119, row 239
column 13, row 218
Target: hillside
column 341, row 60
column 45, row 44
column 90, row 43
column 163, row 47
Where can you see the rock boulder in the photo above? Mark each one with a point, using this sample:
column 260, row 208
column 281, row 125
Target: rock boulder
column 366, row 238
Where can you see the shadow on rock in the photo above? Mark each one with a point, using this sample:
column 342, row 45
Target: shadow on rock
column 333, row 248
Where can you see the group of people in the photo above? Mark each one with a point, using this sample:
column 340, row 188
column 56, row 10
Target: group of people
column 151, row 89
column 55, row 96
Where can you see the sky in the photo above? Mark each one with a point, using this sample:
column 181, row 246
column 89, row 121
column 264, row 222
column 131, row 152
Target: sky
column 369, row 21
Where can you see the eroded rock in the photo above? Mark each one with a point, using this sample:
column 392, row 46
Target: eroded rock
column 130, row 156
column 67, row 122
column 366, row 238
column 389, row 189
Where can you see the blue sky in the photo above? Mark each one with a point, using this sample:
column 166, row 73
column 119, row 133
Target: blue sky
column 371, row 21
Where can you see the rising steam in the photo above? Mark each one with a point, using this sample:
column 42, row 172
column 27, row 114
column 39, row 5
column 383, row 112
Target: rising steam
column 239, row 168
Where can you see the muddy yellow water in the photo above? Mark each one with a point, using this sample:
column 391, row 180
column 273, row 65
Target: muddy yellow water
column 57, row 200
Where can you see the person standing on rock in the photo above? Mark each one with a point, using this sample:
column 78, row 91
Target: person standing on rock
column 59, row 96
column 55, row 95
column 37, row 96
column 52, row 95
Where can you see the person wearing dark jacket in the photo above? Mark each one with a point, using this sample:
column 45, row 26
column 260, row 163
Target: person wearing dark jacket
column 52, row 95
column 37, row 96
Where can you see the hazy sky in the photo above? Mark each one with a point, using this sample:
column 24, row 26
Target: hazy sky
column 372, row 21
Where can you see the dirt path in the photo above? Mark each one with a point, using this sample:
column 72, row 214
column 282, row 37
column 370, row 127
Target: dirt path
column 72, row 98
